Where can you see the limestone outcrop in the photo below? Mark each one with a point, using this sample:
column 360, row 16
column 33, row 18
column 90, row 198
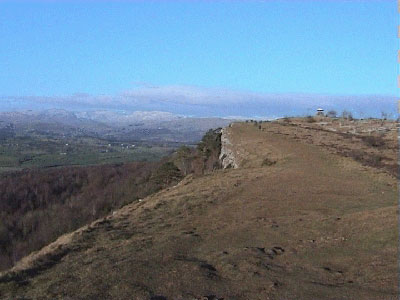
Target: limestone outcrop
column 227, row 155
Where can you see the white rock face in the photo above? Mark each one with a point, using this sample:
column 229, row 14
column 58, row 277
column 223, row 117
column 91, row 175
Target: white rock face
column 227, row 156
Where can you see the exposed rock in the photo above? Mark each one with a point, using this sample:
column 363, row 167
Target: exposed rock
column 227, row 156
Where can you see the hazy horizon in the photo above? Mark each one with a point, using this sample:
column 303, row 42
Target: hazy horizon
column 205, row 102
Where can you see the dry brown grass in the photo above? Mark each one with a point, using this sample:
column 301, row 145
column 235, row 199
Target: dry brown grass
column 315, row 225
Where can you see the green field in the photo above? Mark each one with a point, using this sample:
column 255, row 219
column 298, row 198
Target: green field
column 37, row 151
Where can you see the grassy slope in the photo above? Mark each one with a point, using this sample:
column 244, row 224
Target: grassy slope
column 332, row 222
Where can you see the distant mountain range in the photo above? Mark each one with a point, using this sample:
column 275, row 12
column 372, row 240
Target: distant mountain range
column 124, row 118
column 139, row 125
column 171, row 101
column 65, row 116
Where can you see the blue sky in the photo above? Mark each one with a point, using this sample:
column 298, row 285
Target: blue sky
column 268, row 47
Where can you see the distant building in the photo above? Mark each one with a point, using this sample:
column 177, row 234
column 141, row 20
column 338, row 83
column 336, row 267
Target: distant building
column 320, row 112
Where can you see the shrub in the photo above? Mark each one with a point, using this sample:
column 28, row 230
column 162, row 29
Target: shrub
column 347, row 115
column 211, row 142
column 167, row 173
column 310, row 119
column 331, row 114
column 183, row 159
column 374, row 141
column 268, row 162
column 184, row 151
column 372, row 160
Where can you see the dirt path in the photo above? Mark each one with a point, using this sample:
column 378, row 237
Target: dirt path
column 308, row 225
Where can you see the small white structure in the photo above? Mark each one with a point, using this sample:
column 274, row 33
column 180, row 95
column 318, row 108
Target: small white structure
column 320, row 112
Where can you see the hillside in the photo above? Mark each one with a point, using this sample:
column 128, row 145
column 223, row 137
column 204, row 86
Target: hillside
column 310, row 212
column 37, row 206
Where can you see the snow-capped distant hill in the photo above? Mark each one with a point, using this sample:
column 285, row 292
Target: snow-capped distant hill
column 77, row 118
column 123, row 118
column 138, row 125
